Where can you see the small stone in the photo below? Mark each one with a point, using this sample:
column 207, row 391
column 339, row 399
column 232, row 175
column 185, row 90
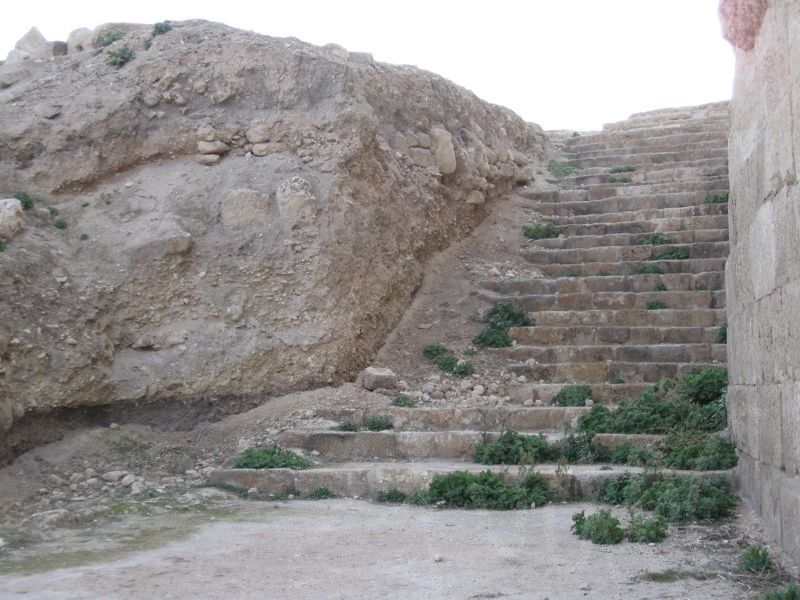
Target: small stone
column 55, row 479
column 528, row 402
column 207, row 159
column 589, row 402
column 206, row 133
column 438, row 558
column 114, row 426
column 258, row 133
column 475, row 197
column 478, row 390
column 128, row 480
column 113, row 476
column 376, row 377
column 90, row 472
column 12, row 219
column 215, row 147
column 252, row 491
column 260, row 149
column 71, row 341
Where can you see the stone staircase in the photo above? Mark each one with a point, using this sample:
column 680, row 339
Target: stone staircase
column 592, row 322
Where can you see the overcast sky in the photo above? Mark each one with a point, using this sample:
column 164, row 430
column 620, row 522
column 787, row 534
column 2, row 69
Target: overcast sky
column 561, row 63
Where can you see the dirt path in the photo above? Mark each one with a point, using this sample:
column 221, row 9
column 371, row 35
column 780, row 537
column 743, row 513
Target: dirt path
column 354, row 549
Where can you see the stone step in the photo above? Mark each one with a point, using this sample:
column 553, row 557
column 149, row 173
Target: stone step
column 588, row 335
column 668, row 173
column 535, row 418
column 617, row 204
column 602, row 393
column 365, row 480
column 656, row 126
column 632, row 133
column 590, row 372
column 644, row 160
column 718, row 147
column 614, row 440
column 629, row 353
column 572, row 242
column 546, row 256
column 705, row 185
column 697, row 265
column 668, row 214
column 706, row 317
column 618, row 300
column 354, row 446
column 713, row 281
column 592, row 142
column 665, row 226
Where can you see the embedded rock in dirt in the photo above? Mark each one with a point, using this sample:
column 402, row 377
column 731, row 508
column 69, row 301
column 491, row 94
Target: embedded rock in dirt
column 271, row 201
column 378, row 378
column 12, row 219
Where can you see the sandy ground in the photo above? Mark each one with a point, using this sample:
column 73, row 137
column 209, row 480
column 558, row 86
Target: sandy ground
column 354, row 549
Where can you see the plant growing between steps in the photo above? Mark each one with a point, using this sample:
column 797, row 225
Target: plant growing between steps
column 722, row 334
column 101, row 41
column 120, row 56
column 655, row 305
column 655, row 239
column 346, row 425
column 378, row 422
column 392, row 496
column 717, row 198
column 615, row 179
column 649, row 270
column 512, row 448
column 560, row 170
column 321, row 493
column 403, row 401
column 671, row 254
column 433, row 351
column 485, row 490
column 573, row 395
column 499, row 319
column 540, row 231
column 622, row 169
column 271, row 457
column 791, row 592
column 660, row 287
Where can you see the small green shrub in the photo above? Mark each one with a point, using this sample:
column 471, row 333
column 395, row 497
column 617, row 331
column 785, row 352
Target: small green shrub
column 446, row 362
column 492, row 338
column 464, row 368
column 573, row 395
column 507, row 314
column 671, row 254
column 791, row 592
column 378, row 422
column 512, row 448
column 630, row 454
column 120, row 56
column 649, row 270
column 647, row 531
column 600, row 528
column 161, row 28
column 570, row 274
column 722, row 334
column 706, row 386
column 718, row 198
column 579, row 448
column 603, row 273
column 346, row 425
column 560, row 169
column 271, row 457
column 615, row 179
column 2, row 245
column 756, row 559
column 698, row 452
column 320, row 493
column 617, row 380
column 540, row 231
column 655, row 305
column 24, row 199
column 485, row 490
column 392, row 496
column 404, row 401
column 433, row 351
column 660, row 286
column 622, row 169
column 681, row 499
column 420, row 497
column 60, row 223
column 101, row 41
column 655, row 239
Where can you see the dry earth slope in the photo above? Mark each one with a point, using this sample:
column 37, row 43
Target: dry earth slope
column 243, row 215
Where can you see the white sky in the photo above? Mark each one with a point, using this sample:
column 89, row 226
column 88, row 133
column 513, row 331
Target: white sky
column 561, row 63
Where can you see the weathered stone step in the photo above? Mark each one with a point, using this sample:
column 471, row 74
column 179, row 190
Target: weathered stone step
column 390, row 445
column 546, row 256
column 602, row 393
column 627, row 239
column 625, row 133
column 614, row 440
column 365, row 480
column 712, row 281
column 655, row 126
column 598, row 141
column 698, row 265
column 619, row 300
column 706, row 185
column 706, row 317
column 618, row 152
column 535, row 418
column 658, row 353
column 617, row 204
column 664, row 226
column 644, row 160
column 649, row 174
column 670, row 214
column 587, row 335
column 590, row 372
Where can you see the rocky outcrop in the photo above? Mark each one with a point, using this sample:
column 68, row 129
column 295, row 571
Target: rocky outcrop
column 763, row 287
column 240, row 215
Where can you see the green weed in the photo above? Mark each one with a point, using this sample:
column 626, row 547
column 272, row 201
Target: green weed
column 660, row 287
column 570, row 274
column 120, row 56
column 24, row 199
column 271, row 457
column 622, row 169
column 512, row 448
column 718, row 198
column 600, row 528
column 392, row 496
column 492, row 338
column 722, row 334
column 791, row 592
column 647, row 531
column 507, row 314
column 446, row 362
column 433, row 351
column 615, row 179
column 101, row 41
column 540, row 231
column 321, row 493
column 573, row 395
column 560, row 169
column 161, row 28
column 655, row 239
column 60, row 223
column 756, row 559
column 2, row 245
column 655, row 305
column 698, row 452
column 378, row 422
column 464, row 368
column 404, row 401
column 671, row 254
column 706, row 386
column 346, row 425
column 649, row 270
column 485, row 490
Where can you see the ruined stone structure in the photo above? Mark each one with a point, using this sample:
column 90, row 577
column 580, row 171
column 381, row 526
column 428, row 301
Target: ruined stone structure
column 763, row 281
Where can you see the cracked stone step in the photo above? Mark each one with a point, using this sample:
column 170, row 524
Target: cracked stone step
column 680, row 212
column 597, row 176
column 656, row 353
column 534, row 418
column 365, row 480
column 644, row 162
column 617, row 204
column 592, row 372
column 695, row 236
column 619, row 254
column 602, row 393
column 664, row 226
column 588, row 336
column 685, row 300
column 616, row 154
column 710, row 281
column 708, row 317
column 696, row 266
column 605, row 190
column 592, row 142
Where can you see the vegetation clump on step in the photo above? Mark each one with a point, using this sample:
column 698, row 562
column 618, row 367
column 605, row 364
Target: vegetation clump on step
column 660, row 286
column 433, row 351
column 560, row 169
column 378, row 422
column 717, row 198
column 513, row 448
column 540, row 231
column 321, row 493
column 573, row 395
column 722, row 334
column 347, row 425
column 447, row 362
column 756, row 559
column 485, row 490
column 647, row 531
column 790, row 592
column 615, row 179
column 120, row 56
column 649, row 270
column 671, row 254
column 655, row 305
column 404, row 401
column 106, row 39
column 2, row 245
column 391, row 496
column 271, row 457
column 599, row 528
column 675, row 498
column 622, row 169
column 655, row 239
column 59, row 223
column 161, row 28
column 24, row 199
column 499, row 319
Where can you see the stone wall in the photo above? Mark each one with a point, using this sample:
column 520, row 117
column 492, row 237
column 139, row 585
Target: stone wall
column 763, row 272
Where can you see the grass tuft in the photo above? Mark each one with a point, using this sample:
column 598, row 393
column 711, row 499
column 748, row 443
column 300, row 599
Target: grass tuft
column 573, row 395
column 599, row 528
column 271, row 457
column 540, row 231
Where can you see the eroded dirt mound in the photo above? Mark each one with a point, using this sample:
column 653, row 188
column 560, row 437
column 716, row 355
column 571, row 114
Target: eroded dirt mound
column 226, row 214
